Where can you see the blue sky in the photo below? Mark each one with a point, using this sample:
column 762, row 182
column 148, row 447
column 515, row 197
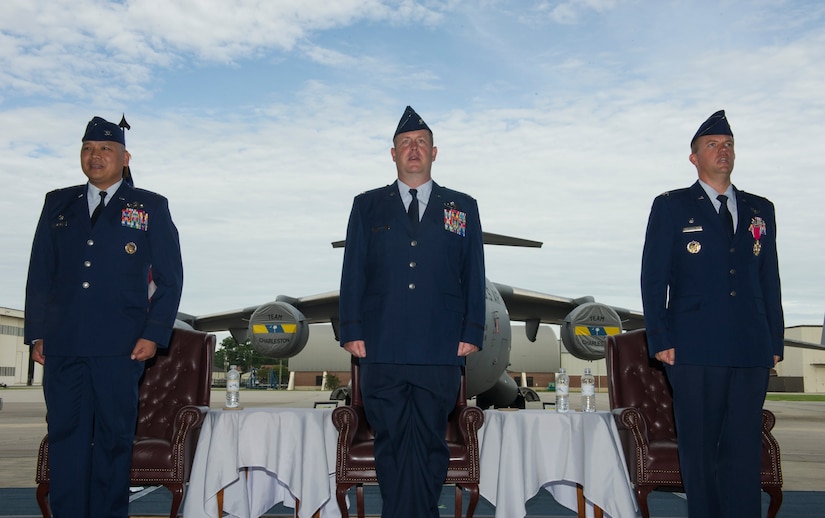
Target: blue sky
column 260, row 120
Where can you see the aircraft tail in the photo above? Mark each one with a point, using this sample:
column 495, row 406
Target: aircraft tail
column 489, row 239
column 809, row 345
column 499, row 239
column 822, row 340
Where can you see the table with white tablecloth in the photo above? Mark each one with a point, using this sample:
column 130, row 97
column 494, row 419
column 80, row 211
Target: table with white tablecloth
column 263, row 456
column 527, row 450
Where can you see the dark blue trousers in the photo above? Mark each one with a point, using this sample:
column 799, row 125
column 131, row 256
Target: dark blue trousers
column 92, row 412
column 718, row 414
column 407, row 407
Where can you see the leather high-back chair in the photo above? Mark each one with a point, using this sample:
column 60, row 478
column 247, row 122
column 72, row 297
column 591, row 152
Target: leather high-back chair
column 172, row 403
column 642, row 402
column 355, row 459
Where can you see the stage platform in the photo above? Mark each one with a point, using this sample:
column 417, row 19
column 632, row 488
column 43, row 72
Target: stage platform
column 798, row 430
column 20, row 503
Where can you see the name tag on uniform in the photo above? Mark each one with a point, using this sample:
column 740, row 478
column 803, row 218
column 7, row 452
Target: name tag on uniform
column 687, row 230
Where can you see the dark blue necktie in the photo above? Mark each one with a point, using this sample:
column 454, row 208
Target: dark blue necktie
column 412, row 210
column 99, row 207
column 724, row 215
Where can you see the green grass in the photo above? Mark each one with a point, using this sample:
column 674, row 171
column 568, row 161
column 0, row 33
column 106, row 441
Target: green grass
column 780, row 396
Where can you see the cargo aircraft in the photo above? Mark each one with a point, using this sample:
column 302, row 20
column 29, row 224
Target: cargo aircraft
column 280, row 329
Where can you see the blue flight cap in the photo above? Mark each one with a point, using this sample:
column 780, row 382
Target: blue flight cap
column 717, row 124
column 411, row 121
column 100, row 129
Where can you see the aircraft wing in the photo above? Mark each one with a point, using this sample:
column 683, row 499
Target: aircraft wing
column 316, row 308
column 522, row 305
column 789, row 342
column 525, row 305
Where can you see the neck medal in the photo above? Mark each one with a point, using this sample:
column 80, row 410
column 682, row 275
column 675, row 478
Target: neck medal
column 757, row 229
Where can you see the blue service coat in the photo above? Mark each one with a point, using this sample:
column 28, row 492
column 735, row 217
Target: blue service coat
column 715, row 300
column 413, row 296
column 87, row 290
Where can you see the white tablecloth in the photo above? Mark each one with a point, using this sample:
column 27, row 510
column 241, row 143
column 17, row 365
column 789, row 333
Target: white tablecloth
column 526, row 450
column 289, row 453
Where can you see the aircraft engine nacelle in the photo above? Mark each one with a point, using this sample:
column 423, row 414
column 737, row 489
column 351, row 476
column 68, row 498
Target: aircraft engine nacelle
column 278, row 330
column 585, row 330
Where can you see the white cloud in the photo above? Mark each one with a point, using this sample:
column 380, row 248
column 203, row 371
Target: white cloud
column 569, row 11
column 564, row 136
column 63, row 49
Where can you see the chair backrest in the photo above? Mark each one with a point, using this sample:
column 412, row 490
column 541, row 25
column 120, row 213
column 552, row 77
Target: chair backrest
column 177, row 376
column 453, row 423
column 634, row 379
column 453, row 433
column 355, row 382
column 364, row 432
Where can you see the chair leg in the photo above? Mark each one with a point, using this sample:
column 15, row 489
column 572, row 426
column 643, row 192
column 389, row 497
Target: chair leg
column 341, row 498
column 776, row 500
column 474, row 494
column 641, row 497
column 457, row 501
column 43, row 499
column 359, row 499
column 582, row 504
column 580, row 501
column 316, row 514
column 177, row 498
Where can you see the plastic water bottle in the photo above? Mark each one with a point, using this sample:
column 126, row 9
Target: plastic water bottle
column 562, row 391
column 588, row 391
column 233, row 387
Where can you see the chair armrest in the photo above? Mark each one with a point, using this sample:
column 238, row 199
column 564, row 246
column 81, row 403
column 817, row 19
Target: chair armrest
column 343, row 416
column 186, row 429
column 631, row 423
column 770, row 446
column 351, row 422
column 42, row 474
column 470, row 419
column 630, row 419
column 187, row 418
column 768, row 420
column 633, row 434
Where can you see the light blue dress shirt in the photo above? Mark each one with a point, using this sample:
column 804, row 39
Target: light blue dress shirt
column 712, row 194
column 93, row 195
column 423, row 195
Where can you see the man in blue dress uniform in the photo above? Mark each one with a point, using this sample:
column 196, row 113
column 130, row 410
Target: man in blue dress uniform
column 713, row 313
column 92, row 324
column 412, row 307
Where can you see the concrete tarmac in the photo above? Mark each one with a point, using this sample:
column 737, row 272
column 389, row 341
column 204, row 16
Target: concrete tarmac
column 799, row 430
